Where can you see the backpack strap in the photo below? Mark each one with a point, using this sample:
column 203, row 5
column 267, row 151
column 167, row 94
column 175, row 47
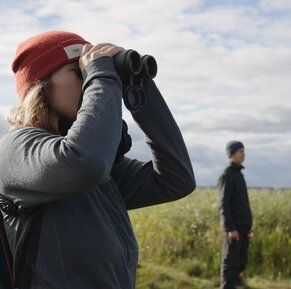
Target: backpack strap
column 23, row 270
column 6, row 270
column 20, row 273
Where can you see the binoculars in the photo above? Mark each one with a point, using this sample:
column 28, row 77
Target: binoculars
column 133, row 68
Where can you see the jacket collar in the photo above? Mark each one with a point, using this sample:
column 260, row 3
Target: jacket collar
column 236, row 166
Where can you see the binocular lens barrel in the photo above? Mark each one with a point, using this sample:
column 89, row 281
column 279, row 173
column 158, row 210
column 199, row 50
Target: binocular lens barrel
column 134, row 62
column 127, row 63
column 134, row 98
column 149, row 67
column 142, row 97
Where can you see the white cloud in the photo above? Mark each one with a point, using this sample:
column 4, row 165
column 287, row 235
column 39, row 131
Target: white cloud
column 271, row 5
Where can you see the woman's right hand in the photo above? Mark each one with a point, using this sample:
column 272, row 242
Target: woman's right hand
column 91, row 52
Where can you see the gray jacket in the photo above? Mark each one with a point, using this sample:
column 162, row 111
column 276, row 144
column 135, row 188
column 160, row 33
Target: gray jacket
column 86, row 238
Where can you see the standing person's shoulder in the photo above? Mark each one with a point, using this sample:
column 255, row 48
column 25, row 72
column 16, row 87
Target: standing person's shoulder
column 226, row 172
column 224, row 176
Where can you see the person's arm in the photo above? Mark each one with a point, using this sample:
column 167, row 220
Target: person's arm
column 42, row 167
column 169, row 175
column 225, row 188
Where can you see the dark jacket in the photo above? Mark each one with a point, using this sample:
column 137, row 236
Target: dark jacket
column 86, row 238
column 234, row 202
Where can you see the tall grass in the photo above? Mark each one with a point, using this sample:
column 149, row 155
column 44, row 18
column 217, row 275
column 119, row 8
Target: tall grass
column 186, row 235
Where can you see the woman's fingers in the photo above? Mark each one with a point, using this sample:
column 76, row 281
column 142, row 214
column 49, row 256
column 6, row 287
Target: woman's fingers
column 86, row 48
column 100, row 46
column 107, row 51
column 90, row 52
column 113, row 50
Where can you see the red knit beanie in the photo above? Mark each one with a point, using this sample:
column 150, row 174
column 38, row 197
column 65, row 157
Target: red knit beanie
column 41, row 55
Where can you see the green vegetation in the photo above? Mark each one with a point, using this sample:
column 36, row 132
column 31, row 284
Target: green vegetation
column 180, row 242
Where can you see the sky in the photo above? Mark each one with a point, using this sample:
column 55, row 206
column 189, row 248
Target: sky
column 224, row 68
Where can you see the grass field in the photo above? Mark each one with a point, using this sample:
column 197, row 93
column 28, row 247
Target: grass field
column 180, row 242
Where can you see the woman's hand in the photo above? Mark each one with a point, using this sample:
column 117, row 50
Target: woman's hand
column 92, row 52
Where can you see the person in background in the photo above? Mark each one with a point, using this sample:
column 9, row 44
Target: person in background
column 236, row 217
column 68, row 183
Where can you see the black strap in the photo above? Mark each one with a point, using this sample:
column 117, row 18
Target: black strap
column 24, row 270
column 6, row 271
column 21, row 273
column 124, row 145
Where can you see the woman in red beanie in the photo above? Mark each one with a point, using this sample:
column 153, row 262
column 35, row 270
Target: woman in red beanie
column 67, row 222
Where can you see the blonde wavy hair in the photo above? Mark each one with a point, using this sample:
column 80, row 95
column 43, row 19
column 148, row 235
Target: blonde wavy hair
column 34, row 110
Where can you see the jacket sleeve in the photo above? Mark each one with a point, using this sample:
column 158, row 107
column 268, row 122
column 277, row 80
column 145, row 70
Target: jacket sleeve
column 169, row 175
column 225, row 188
column 43, row 167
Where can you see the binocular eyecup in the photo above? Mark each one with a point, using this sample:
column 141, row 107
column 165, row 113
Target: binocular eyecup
column 149, row 67
column 133, row 69
column 129, row 64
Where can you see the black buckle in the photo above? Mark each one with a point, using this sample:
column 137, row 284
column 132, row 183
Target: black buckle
column 8, row 207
